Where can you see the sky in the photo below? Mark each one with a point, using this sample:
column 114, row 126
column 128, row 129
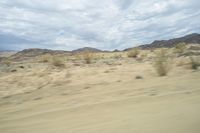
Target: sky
column 103, row 24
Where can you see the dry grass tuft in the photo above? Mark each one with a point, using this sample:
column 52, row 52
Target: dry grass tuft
column 7, row 62
column 77, row 56
column 182, row 62
column 88, row 57
column 45, row 58
column 143, row 56
column 53, row 60
column 57, row 61
column 133, row 53
column 117, row 56
column 194, row 64
column 180, row 48
column 162, row 62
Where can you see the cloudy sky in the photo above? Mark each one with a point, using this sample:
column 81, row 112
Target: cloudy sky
column 104, row 24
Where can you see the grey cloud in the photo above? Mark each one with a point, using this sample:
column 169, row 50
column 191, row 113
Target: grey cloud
column 124, row 4
column 110, row 24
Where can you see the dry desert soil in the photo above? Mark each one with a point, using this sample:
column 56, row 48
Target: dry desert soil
column 112, row 94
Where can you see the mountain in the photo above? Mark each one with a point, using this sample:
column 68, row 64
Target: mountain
column 36, row 51
column 188, row 39
column 86, row 49
column 33, row 52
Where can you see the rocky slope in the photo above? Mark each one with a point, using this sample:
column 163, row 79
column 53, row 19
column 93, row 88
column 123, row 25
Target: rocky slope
column 188, row 39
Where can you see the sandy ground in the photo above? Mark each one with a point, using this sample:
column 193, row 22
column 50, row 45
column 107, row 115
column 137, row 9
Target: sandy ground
column 7, row 54
column 99, row 98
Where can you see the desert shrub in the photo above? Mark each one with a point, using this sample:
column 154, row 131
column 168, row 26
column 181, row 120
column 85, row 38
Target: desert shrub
column 117, row 56
column 96, row 56
column 7, row 62
column 52, row 60
column 181, row 62
column 143, row 56
column 194, row 63
column 57, row 61
column 78, row 56
column 88, row 57
column 180, row 48
column 193, row 47
column 162, row 62
column 138, row 77
column 45, row 58
column 133, row 53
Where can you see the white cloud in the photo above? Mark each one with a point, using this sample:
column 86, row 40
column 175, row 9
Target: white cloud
column 110, row 24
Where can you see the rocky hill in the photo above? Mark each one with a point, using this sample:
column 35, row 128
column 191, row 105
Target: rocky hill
column 33, row 52
column 188, row 39
column 86, row 49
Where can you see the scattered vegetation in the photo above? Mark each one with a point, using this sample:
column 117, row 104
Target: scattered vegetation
column 143, row 56
column 181, row 62
column 52, row 59
column 133, row 53
column 162, row 62
column 14, row 70
column 138, row 77
column 107, row 71
column 117, row 56
column 45, row 58
column 96, row 56
column 7, row 62
column 57, row 61
column 78, row 56
column 180, row 48
column 194, row 47
column 194, row 63
column 88, row 57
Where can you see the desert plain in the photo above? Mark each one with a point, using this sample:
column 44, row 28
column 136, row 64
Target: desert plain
column 112, row 93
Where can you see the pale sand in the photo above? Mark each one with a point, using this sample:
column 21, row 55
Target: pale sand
column 100, row 98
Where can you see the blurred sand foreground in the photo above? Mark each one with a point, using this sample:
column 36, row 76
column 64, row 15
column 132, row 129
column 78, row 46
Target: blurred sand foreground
column 124, row 96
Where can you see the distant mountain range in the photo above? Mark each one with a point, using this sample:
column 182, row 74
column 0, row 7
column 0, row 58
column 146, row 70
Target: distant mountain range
column 85, row 49
column 33, row 52
column 37, row 51
column 188, row 39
